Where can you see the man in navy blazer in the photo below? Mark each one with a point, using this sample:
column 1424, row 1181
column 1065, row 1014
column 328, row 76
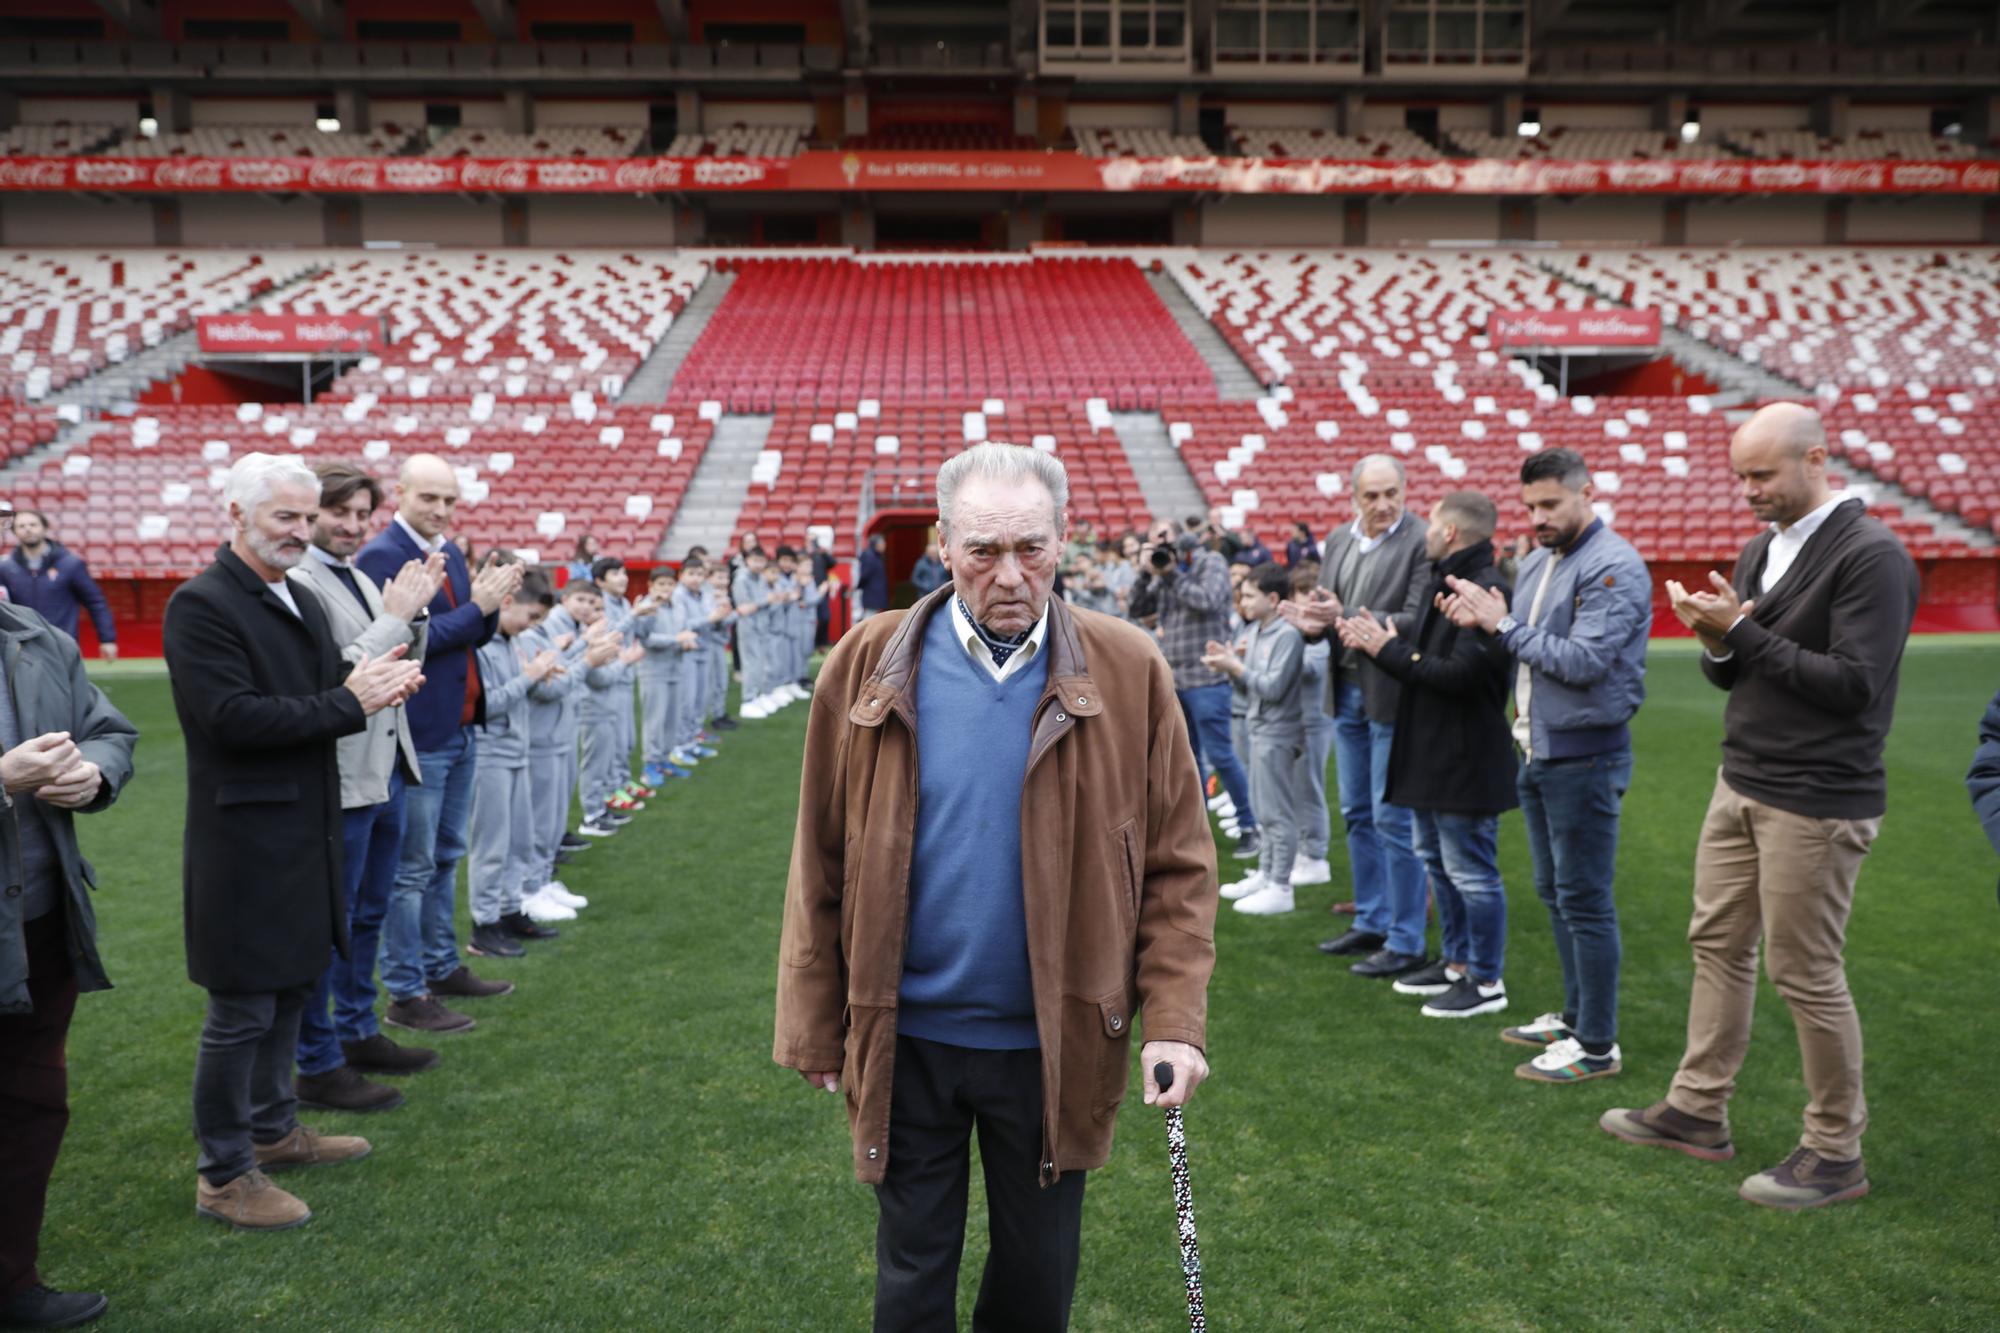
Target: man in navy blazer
column 420, row 959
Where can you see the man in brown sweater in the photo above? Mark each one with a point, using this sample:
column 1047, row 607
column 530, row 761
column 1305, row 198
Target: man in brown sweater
column 1807, row 639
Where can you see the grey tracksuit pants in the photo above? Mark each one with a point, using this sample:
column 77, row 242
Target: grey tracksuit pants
column 502, row 860
column 1315, row 822
column 552, row 781
column 605, row 766
column 1275, row 757
column 659, row 707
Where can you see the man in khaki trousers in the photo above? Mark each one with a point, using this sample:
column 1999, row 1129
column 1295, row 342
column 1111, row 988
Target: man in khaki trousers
column 1807, row 639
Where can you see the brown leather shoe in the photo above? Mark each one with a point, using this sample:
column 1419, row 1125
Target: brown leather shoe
column 464, row 986
column 344, row 1089
column 1806, row 1180
column 422, row 1013
column 1662, row 1126
column 376, row 1054
column 250, row 1203
column 303, row 1147
column 1342, row 909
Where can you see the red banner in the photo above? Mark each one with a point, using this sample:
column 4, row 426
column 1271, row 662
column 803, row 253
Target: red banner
column 1050, row 172
column 253, row 334
column 1574, row 328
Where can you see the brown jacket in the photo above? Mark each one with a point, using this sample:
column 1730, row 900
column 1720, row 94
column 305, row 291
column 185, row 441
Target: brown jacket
column 1117, row 870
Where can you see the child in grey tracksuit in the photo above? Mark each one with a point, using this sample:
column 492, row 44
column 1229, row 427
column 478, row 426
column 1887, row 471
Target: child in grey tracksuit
column 552, row 725
column 807, row 618
column 714, row 596
column 1273, row 675
column 615, row 581
column 660, row 672
column 754, row 619
column 688, row 617
column 501, row 868
column 606, row 764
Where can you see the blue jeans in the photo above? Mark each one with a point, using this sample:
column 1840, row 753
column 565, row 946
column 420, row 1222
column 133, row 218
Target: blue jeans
column 1206, row 708
column 1572, row 814
column 1462, row 853
column 419, row 944
column 1381, row 848
column 372, row 837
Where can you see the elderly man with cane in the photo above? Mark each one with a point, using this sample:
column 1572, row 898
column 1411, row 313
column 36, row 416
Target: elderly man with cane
column 1002, row 867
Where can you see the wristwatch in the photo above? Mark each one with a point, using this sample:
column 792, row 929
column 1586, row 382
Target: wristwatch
column 1506, row 623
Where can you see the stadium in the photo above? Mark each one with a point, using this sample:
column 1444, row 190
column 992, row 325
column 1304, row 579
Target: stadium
column 661, row 276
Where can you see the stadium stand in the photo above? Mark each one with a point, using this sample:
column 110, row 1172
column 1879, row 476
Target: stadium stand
column 1863, row 145
column 65, row 315
column 942, row 137
column 265, row 141
column 948, row 333
column 741, row 141
column 59, row 140
column 1125, row 141
column 1304, row 142
column 556, row 141
column 1587, row 145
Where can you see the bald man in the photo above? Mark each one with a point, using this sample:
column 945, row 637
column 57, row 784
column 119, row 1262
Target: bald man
column 1807, row 640
column 420, row 962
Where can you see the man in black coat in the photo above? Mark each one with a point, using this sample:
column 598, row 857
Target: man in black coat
column 1452, row 761
column 263, row 695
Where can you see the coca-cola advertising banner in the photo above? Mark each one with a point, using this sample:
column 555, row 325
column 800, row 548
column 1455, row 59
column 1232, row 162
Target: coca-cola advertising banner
column 263, row 335
column 1042, row 172
column 1574, row 328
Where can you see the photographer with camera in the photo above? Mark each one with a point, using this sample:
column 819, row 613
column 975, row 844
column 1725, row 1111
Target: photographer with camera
column 1183, row 595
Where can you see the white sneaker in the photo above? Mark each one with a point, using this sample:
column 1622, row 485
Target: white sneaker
column 1244, row 887
column 542, row 908
column 1311, row 870
column 1565, row 1061
column 1271, row 900
column 793, row 692
column 558, row 892
column 754, row 709
column 1230, row 829
column 1221, row 806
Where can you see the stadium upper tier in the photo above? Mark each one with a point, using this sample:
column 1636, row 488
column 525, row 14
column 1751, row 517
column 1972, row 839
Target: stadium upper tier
column 266, row 141
column 511, row 364
column 741, row 141
column 555, row 141
column 830, row 332
column 1306, row 142
column 1587, row 145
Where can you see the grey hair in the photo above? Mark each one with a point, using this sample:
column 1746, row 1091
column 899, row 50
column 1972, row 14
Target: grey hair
column 1001, row 462
column 253, row 477
column 1368, row 460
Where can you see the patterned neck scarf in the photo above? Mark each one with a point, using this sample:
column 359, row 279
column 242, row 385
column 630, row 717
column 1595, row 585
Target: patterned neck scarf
column 1002, row 649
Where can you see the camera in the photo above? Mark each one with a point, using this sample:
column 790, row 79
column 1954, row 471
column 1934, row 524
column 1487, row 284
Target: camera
column 1161, row 558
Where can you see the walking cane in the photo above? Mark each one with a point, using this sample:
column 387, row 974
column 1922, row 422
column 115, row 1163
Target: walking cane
column 1163, row 1078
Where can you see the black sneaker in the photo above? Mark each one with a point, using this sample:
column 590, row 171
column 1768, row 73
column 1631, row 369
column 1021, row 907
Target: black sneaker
column 1247, row 846
column 597, row 828
column 725, row 724
column 1433, row 980
column 45, row 1307
column 571, row 843
column 494, row 941
column 1388, row 963
column 520, row 925
column 1355, row 940
column 1467, row 999
column 615, row 818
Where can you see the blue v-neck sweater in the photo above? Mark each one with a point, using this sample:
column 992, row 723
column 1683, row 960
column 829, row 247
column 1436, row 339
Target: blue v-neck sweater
column 965, row 965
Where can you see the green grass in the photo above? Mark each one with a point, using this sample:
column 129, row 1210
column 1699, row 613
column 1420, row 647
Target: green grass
column 612, row 1148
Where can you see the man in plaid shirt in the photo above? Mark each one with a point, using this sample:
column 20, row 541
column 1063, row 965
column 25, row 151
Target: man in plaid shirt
column 1183, row 595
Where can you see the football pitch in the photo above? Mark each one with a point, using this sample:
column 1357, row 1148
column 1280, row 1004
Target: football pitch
column 612, row 1147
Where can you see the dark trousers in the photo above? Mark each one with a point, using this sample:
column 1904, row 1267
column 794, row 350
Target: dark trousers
column 243, row 1077
column 941, row 1095
column 373, row 838
column 34, row 1099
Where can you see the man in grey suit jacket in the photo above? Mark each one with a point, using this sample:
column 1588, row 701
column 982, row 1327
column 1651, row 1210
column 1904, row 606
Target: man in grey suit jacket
column 376, row 766
column 1375, row 564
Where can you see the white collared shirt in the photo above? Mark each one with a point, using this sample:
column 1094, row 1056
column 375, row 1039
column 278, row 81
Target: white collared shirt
column 975, row 646
column 326, row 557
column 1786, row 543
column 1365, row 543
column 428, row 545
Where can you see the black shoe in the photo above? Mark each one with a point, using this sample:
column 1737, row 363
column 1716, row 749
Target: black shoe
column 1468, row 999
column 725, row 724
column 564, row 858
column 1356, row 940
column 494, row 941
column 1247, row 846
column 615, row 818
column 45, row 1307
column 571, row 843
column 1388, row 963
column 597, row 828
column 379, row 1055
column 1434, row 979
column 344, row 1089
column 524, row 927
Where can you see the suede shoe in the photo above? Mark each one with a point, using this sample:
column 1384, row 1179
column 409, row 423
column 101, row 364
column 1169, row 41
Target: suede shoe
column 461, row 984
column 1384, row 963
column 1354, row 941
column 344, row 1089
column 521, row 926
column 251, row 1203
column 305, row 1147
column 1806, row 1180
column 1662, row 1126
column 493, row 940
column 376, row 1054
column 45, row 1307
column 423, row 1013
